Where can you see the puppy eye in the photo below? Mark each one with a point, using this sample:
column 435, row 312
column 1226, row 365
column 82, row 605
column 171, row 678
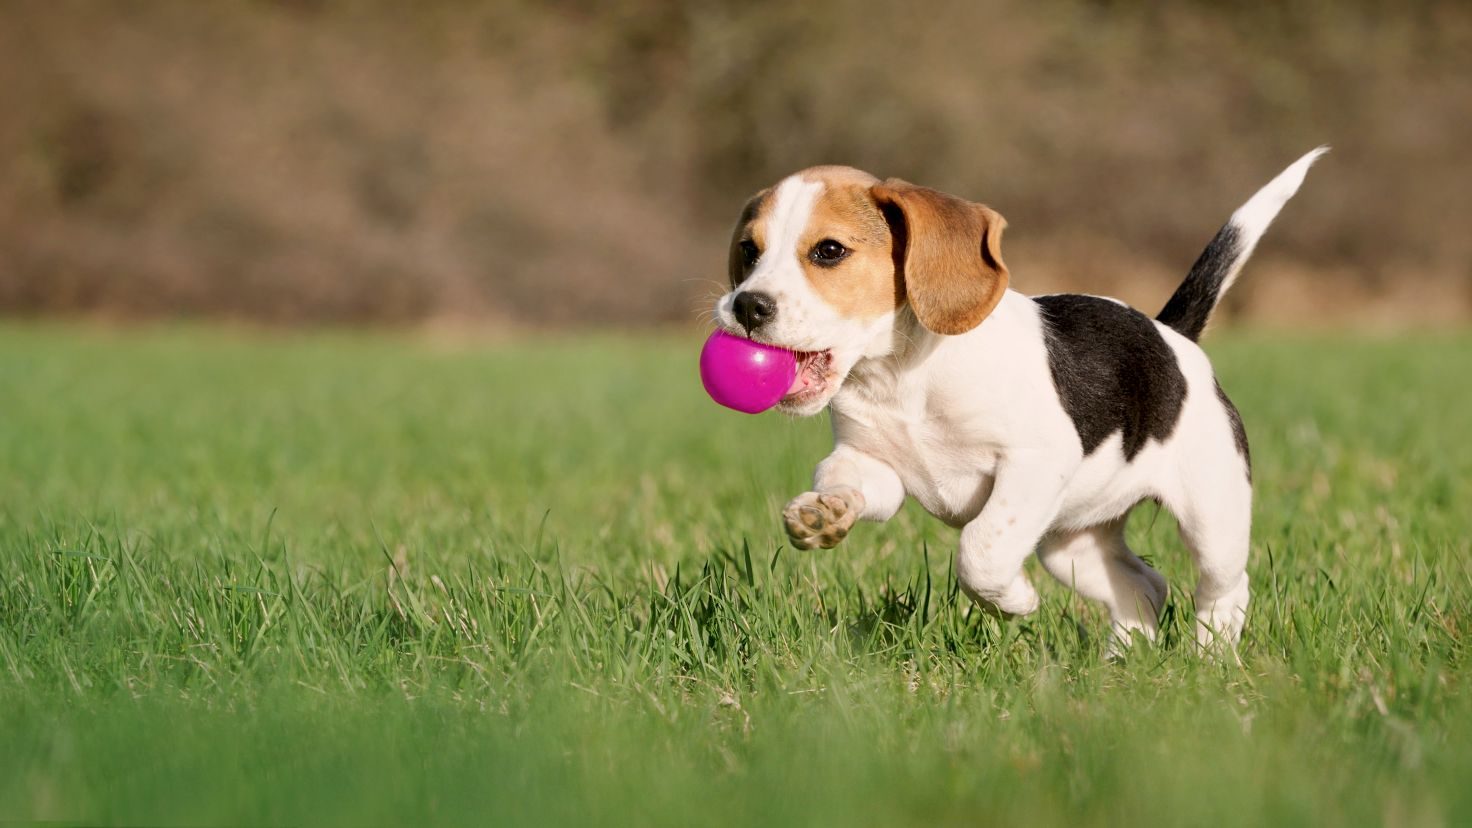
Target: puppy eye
column 749, row 253
column 828, row 252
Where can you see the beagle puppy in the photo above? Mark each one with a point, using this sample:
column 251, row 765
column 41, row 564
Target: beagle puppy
column 1029, row 423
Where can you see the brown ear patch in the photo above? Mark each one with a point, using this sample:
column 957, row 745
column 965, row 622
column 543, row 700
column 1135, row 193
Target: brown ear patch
column 948, row 251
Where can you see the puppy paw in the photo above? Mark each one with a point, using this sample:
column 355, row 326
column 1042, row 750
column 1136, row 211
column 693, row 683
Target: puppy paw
column 1013, row 600
column 822, row 519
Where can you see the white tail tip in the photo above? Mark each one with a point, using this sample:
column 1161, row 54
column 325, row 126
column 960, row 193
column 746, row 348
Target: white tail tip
column 1253, row 218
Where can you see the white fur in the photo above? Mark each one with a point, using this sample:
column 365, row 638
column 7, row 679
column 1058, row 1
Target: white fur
column 972, row 427
column 1253, row 218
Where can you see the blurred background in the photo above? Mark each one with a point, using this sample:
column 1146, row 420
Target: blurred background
column 508, row 164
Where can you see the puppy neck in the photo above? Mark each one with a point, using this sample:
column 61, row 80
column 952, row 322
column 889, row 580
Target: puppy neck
column 894, row 373
column 909, row 344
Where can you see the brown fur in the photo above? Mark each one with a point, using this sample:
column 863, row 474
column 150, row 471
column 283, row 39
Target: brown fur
column 950, row 253
column 864, row 285
column 751, row 225
column 940, row 253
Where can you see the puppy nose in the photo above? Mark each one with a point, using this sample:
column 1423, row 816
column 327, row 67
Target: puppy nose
column 753, row 309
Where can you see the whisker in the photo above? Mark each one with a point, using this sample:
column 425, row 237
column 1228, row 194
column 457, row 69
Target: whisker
column 717, row 283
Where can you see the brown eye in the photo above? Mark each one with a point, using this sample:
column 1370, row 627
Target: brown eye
column 828, row 253
column 749, row 253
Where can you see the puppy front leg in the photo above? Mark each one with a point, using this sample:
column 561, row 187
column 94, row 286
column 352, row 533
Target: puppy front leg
column 994, row 545
column 848, row 485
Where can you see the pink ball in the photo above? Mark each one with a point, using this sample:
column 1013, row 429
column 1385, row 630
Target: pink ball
column 745, row 375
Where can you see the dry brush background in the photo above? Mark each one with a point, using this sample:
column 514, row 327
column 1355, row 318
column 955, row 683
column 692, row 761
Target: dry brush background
column 514, row 162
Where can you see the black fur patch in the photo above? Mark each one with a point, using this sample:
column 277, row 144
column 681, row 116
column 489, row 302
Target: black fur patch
column 1113, row 370
column 1191, row 305
column 1239, row 431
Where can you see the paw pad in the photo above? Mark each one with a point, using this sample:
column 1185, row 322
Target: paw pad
column 816, row 520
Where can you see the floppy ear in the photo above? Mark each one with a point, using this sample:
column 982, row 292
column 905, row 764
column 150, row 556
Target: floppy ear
column 947, row 252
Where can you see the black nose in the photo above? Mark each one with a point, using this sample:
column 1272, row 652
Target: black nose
column 753, row 309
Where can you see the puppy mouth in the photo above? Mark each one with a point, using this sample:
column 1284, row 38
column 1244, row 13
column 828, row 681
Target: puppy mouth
column 814, row 378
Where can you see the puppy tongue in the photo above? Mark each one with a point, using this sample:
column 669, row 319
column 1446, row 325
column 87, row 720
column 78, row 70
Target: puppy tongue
column 800, row 381
column 804, row 379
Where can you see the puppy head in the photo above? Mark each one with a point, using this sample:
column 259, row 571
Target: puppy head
column 824, row 262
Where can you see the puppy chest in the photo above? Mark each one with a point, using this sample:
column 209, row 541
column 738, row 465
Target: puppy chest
column 947, row 474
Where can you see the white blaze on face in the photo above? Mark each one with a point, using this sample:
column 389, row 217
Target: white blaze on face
column 792, row 208
column 803, row 320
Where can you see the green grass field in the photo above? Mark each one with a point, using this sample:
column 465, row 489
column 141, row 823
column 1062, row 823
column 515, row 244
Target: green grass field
column 368, row 579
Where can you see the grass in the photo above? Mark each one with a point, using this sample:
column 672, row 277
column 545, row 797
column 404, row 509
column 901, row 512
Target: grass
column 353, row 579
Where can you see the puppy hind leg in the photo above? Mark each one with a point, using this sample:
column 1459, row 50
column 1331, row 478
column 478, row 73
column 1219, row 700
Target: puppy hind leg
column 1216, row 526
column 1098, row 564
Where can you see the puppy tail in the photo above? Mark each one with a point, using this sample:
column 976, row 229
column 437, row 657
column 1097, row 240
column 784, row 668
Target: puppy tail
column 1191, row 305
